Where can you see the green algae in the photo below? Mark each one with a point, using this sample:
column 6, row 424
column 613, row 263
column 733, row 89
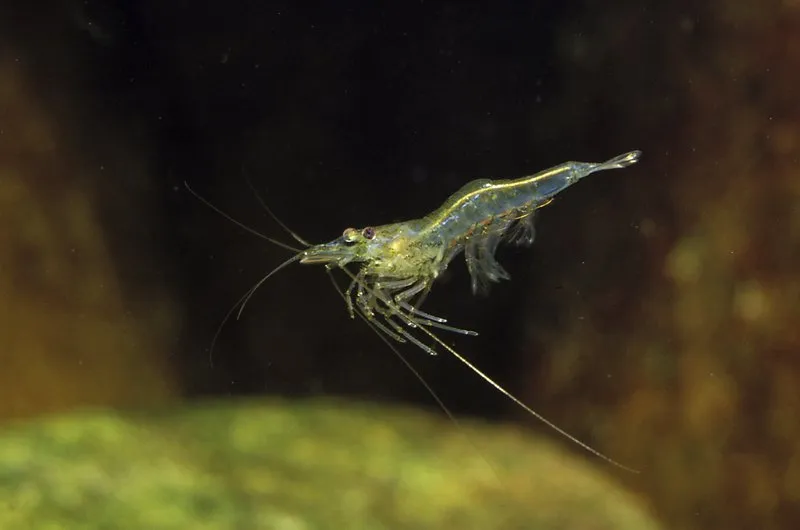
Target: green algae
column 315, row 464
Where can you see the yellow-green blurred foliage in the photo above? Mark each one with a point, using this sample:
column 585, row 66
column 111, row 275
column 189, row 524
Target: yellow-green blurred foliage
column 699, row 336
column 300, row 464
column 68, row 336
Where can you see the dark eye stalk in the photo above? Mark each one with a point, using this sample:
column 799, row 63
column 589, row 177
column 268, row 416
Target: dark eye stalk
column 368, row 232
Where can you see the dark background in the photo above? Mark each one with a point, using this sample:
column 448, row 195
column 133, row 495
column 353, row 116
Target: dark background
column 654, row 317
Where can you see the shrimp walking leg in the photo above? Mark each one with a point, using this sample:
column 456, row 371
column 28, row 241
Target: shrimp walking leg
column 369, row 307
column 380, row 326
column 372, row 302
column 445, row 327
column 426, row 319
column 396, row 303
column 413, row 310
column 348, row 297
column 416, row 287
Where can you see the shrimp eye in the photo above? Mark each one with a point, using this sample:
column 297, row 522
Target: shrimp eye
column 368, row 232
column 350, row 235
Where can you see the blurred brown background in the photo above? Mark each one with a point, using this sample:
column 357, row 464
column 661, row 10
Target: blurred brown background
column 656, row 316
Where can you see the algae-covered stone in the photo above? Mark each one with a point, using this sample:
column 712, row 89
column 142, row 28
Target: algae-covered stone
column 296, row 465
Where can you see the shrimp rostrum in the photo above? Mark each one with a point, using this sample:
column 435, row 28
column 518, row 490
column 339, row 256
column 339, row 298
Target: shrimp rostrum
column 398, row 263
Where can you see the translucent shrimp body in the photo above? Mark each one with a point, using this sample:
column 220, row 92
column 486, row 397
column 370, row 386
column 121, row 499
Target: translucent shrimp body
column 475, row 219
column 398, row 263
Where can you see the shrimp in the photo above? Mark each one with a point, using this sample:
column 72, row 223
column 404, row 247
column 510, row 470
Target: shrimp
column 397, row 264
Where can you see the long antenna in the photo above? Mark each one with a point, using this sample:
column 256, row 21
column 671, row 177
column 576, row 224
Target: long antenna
column 236, row 222
column 243, row 300
column 246, row 297
column 271, row 213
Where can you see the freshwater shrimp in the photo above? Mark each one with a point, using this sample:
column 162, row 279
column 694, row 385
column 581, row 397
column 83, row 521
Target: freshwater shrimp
column 398, row 263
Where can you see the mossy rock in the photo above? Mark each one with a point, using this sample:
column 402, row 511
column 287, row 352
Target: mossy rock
column 317, row 464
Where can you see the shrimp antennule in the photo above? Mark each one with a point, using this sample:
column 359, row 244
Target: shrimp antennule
column 238, row 223
column 275, row 218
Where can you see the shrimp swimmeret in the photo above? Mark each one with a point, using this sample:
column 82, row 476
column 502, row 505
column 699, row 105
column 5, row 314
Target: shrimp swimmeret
column 398, row 263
